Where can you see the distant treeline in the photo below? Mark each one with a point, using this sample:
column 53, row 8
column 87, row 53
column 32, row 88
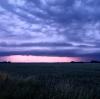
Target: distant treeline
column 93, row 61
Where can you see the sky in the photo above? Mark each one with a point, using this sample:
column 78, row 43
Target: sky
column 49, row 28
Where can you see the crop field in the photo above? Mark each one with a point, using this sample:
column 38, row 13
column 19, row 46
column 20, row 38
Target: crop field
column 50, row 81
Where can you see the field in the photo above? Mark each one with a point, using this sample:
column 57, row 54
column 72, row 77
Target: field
column 50, row 81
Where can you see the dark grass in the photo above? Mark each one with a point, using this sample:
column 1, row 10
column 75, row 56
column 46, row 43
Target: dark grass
column 50, row 81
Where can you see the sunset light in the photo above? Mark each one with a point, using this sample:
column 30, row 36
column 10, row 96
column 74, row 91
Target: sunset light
column 30, row 58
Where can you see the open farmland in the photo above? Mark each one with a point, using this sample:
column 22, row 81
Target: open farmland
column 50, row 81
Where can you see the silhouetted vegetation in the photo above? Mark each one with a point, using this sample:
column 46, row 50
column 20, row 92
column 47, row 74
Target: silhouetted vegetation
column 95, row 61
column 92, row 61
column 50, row 81
column 5, row 62
column 78, row 62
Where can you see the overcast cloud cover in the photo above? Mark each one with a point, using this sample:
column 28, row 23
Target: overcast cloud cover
column 50, row 27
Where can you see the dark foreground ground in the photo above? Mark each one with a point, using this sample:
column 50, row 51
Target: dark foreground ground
column 50, row 81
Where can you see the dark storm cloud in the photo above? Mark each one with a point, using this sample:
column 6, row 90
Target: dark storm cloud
column 60, row 27
column 3, row 44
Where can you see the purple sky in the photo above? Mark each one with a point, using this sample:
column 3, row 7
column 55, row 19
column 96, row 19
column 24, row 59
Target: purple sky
column 65, row 28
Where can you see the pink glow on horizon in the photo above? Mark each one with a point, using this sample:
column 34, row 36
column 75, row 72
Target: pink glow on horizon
column 30, row 58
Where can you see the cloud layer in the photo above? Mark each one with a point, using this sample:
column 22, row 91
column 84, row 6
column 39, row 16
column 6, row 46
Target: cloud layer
column 50, row 27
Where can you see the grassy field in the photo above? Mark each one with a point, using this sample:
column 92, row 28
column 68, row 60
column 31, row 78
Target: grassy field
column 50, row 81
